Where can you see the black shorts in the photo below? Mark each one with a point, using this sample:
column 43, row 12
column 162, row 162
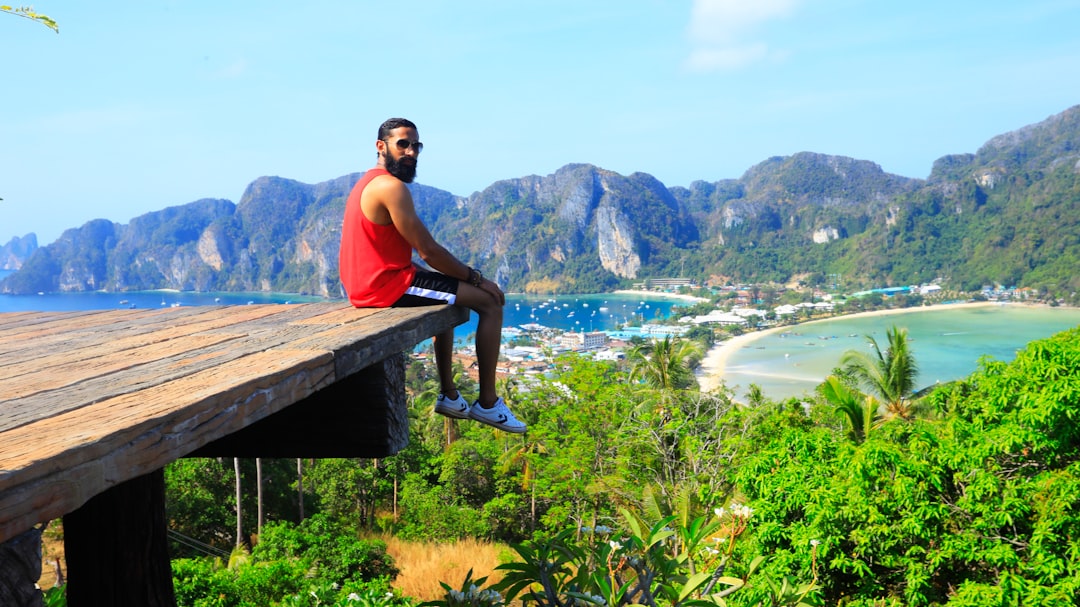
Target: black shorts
column 428, row 289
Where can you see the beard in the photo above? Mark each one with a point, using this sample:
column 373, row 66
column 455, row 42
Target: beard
column 403, row 168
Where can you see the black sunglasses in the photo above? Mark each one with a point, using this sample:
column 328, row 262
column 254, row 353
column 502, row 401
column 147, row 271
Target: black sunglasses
column 404, row 144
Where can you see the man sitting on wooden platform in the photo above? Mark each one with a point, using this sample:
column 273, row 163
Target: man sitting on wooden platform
column 380, row 231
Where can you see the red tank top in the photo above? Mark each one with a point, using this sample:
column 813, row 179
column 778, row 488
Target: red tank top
column 374, row 261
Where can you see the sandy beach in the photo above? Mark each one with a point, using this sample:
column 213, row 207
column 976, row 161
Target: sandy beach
column 712, row 366
column 636, row 292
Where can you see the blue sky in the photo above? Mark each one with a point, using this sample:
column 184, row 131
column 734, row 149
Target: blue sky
column 139, row 105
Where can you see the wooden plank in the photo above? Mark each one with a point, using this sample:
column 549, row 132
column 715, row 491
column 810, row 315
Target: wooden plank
column 80, row 343
column 72, row 367
column 365, row 336
column 88, row 330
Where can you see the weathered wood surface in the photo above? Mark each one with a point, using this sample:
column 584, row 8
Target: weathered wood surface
column 92, row 399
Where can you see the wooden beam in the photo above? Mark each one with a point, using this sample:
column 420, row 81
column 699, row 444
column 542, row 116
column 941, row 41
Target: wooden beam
column 363, row 415
column 116, row 547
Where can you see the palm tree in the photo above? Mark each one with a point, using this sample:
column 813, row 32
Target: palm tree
column 889, row 375
column 239, row 495
column 755, row 397
column 300, row 486
column 530, row 448
column 860, row 410
column 666, row 364
column 259, row 495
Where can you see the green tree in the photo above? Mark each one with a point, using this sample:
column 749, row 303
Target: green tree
column 666, row 364
column 977, row 508
column 528, row 450
column 889, row 375
column 199, row 503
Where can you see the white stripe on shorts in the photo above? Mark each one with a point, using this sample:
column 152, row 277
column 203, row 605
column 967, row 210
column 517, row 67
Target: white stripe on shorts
column 449, row 298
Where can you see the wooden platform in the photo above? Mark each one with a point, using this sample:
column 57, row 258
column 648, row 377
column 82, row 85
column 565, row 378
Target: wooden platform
column 90, row 400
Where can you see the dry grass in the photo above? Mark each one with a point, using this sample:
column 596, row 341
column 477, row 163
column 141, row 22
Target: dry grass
column 424, row 565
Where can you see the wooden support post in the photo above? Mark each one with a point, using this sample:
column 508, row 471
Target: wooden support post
column 20, row 569
column 117, row 549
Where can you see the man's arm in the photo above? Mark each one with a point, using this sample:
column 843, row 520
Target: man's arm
column 398, row 202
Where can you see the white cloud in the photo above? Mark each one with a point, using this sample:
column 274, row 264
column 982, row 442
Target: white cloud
column 719, row 30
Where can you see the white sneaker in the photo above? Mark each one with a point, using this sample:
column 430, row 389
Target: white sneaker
column 457, row 408
column 498, row 416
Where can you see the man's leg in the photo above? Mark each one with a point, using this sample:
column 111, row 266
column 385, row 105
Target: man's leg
column 488, row 336
column 444, row 363
column 431, row 289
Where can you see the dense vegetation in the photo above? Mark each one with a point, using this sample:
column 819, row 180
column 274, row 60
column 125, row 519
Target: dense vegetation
column 970, row 496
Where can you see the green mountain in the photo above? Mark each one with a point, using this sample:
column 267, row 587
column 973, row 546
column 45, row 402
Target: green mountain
column 1006, row 214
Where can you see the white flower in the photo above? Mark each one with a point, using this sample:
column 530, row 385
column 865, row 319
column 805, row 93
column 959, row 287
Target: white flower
column 741, row 511
column 614, row 545
column 719, row 512
column 566, row 391
column 353, row 597
column 815, row 542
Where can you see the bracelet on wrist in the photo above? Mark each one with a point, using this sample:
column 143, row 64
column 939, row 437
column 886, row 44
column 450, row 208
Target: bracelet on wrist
column 475, row 277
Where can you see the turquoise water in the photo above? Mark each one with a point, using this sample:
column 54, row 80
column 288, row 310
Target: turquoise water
column 595, row 312
column 601, row 312
column 70, row 302
column 947, row 345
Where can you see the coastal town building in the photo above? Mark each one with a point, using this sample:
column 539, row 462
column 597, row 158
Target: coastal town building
column 610, row 354
column 718, row 317
column 584, row 341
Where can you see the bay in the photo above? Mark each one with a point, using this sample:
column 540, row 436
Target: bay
column 947, row 344
column 576, row 313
